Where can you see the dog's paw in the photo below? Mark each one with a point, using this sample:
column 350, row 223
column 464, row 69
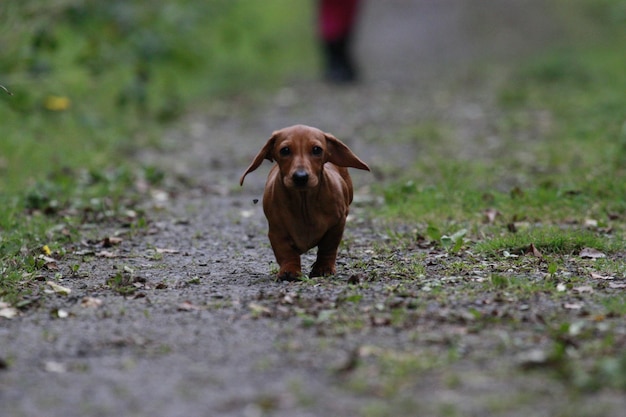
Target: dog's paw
column 289, row 276
column 322, row 270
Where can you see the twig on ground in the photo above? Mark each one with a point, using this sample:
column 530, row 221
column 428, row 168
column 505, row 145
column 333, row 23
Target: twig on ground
column 5, row 89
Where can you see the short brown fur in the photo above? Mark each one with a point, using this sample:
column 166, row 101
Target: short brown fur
column 307, row 196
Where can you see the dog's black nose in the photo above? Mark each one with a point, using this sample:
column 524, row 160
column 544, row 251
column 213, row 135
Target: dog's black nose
column 300, row 178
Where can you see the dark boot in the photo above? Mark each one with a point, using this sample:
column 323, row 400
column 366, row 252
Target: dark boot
column 339, row 66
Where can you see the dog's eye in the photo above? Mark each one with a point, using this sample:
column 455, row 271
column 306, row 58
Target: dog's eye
column 285, row 151
column 317, row 150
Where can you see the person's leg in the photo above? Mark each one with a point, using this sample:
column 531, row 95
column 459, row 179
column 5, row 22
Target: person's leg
column 337, row 19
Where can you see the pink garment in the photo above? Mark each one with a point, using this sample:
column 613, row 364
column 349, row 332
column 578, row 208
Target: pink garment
column 336, row 18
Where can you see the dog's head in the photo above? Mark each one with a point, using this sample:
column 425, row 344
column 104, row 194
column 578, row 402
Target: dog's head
column 301, row 152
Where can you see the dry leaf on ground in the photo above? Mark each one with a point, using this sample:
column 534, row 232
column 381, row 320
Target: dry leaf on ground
column 583, row 289
column 58, row 289
column 90, row 302
column 8, row 312
column 532, row 250
column 109, row 241
column 166, row 250
column 598, row 276
column 591, row 253
column 187, row 306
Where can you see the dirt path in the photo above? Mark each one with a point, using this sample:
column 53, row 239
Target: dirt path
column 207, row 331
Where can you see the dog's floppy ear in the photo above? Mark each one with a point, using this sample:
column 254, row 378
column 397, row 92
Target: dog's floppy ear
column 264, row 153
column 340, row 155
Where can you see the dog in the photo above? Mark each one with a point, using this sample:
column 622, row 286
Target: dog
column 307, row 196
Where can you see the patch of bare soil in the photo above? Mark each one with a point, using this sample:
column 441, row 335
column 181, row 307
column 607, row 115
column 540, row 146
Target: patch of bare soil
column 184, row 318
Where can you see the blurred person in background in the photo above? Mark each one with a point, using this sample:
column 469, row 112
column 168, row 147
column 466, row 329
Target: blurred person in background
column 336, row 22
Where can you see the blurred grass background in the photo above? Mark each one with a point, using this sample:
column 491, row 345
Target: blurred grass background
column 93, row 80
column 559, row 117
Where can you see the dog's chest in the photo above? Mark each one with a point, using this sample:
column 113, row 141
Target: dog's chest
column 312, row 223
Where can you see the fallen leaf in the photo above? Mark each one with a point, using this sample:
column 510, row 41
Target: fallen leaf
column 535, row 358
column 380, row 320
column 8, row 312
column 532, row 250
column 106, row 254
column 368, row 351
column 259, row 310
column 51, row 266
column 49, row 263
column 131, row 214
column 56, row 103
column 165, row 250
column 591, row 253
column 187, row 306
column 160, row 196
column 583, row 289
column 617, row 285
column 598, row 276
column 107, row 242
column 591, row 223
column 58, row 289
column 84, row 252
column 490, row 215
column 47, row 258
column 54, row 367
column 90, row 302
column 576, row 328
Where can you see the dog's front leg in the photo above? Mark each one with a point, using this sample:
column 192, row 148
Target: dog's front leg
column 287, row 256
column 327, row 252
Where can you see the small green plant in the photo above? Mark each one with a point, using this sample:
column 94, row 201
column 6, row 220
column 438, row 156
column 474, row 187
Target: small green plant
column 553, row 267
column 499, row 281
column 454, row 242
column 122, row 283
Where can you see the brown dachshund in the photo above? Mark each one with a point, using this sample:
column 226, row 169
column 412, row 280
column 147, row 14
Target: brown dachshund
column 307, row 196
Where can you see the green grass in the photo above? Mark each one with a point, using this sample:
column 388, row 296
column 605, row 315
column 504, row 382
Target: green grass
column 550, row 240
column 462, row 191
column 93, row 81
column 562, row 172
